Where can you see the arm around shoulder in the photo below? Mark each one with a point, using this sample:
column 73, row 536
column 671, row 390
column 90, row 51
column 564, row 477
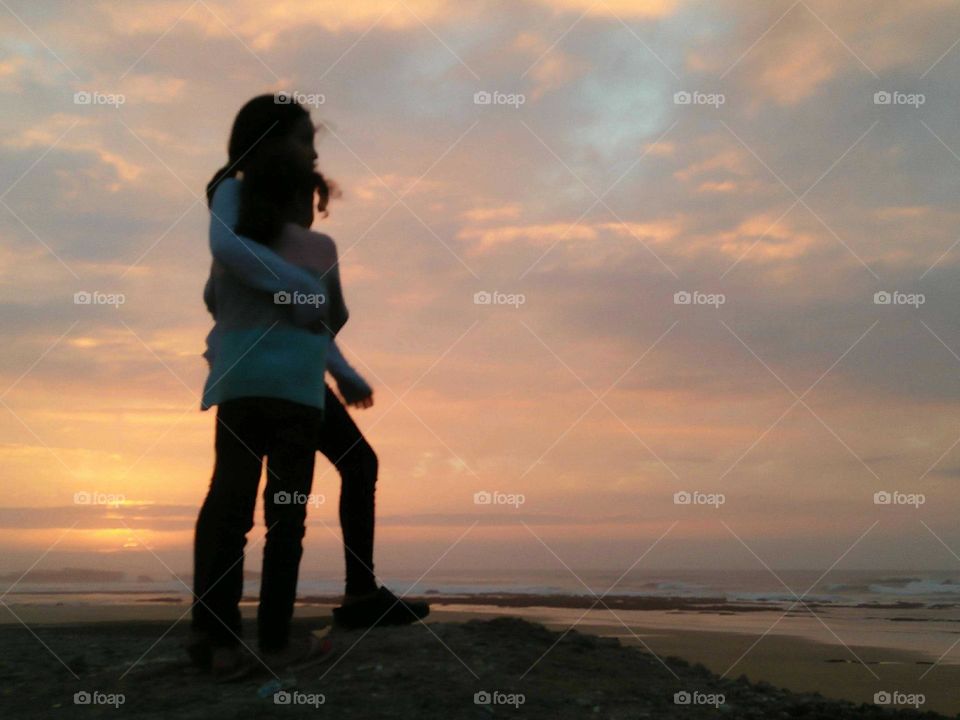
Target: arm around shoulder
column 253, row 263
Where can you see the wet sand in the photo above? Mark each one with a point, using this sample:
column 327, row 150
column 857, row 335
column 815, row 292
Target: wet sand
column 796, row 663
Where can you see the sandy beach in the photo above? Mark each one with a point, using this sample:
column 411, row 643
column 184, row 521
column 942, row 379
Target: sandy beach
column 795, row 663
column 601, row 667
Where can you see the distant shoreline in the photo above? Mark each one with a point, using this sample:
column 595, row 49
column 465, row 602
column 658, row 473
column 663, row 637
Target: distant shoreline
column 716, row 604
column 623, row 602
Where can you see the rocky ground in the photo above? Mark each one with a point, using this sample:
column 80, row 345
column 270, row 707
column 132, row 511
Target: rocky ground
column 478, row 669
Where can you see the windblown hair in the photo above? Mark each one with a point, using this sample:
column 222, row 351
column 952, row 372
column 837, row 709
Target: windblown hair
column 326, row 189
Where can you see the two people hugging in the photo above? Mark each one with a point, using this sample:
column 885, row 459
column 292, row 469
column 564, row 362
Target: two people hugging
column 275, row 295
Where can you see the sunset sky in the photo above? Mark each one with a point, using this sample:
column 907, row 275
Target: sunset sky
column 589, row 188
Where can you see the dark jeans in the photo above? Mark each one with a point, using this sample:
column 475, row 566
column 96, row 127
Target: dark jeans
column 249, row 429
column 341, row 441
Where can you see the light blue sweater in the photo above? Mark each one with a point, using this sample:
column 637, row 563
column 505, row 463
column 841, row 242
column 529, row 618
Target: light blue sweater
column 351, row 384
column 258, row 347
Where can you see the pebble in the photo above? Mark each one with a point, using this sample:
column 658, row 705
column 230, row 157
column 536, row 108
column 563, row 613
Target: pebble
column 269, row 688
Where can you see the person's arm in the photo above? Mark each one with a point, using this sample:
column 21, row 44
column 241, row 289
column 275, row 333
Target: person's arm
column 210, row 300
column 350, row 383
column 210, row 295
column 253, row 263
column 337, row 313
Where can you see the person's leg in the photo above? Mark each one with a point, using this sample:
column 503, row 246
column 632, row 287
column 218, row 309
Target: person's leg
column 290, row 462
column 224, row 521
column 364, row 603
column 342, row 442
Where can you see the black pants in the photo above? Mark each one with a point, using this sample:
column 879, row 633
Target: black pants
column 341, row 441
column 249, row 429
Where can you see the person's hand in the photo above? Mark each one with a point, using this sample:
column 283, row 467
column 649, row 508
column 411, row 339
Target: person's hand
column 363, row 403
column 355, row 392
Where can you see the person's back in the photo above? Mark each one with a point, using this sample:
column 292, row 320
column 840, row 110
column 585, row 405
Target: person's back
column 317, row 253
column 309, row 249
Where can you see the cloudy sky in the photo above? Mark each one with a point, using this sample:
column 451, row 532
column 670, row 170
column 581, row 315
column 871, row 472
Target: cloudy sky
column 778, row 164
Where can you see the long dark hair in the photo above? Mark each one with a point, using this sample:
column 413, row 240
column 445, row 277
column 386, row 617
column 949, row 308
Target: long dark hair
column 274, row 182
column 264, row 118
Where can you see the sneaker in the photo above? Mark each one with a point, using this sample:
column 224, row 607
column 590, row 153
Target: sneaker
column 381, row 608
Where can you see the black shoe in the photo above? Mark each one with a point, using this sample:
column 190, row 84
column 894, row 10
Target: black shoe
column 382, row 608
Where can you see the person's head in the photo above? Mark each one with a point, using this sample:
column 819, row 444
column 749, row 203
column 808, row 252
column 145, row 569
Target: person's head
column 275, row 119
column 278, row 188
